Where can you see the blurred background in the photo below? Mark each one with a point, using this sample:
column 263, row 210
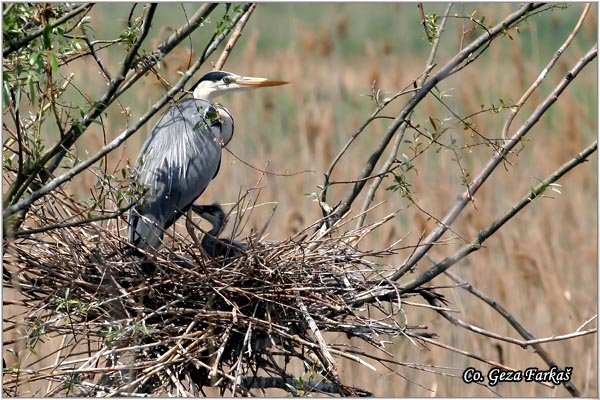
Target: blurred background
column 542, row 266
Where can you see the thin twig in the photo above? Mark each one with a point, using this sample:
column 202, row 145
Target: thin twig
column 484, row 234
column 531, row 341
column 515, row 109
column 24, row 41
column 237, row 33
column 476, row 357
column 486, row 172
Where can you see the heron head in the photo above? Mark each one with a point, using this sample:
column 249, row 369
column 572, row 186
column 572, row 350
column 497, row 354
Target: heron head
column 212, row 213
column 217, row 83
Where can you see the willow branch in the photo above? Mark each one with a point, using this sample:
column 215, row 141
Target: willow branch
column 27, row 39
column 447, row 70
column 493, row 163
column 498, row 223
column 544, row 73
column 400, row 135
column 237, row 33
column 145, row 64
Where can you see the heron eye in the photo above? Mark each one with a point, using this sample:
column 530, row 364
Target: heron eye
column 227, row 80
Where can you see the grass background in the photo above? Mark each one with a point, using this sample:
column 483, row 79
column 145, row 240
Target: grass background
column 542, row 266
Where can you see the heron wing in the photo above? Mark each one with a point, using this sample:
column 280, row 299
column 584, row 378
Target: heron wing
column 178, row 160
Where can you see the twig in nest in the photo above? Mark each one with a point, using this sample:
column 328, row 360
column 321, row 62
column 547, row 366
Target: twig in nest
column 223, row 321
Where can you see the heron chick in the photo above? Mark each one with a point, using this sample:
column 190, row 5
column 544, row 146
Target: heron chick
column 211, row 244
column 182, row 155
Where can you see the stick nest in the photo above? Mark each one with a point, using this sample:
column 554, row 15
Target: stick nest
column 239, row 324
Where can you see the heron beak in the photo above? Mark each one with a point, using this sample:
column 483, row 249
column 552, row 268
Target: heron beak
column 251, row 82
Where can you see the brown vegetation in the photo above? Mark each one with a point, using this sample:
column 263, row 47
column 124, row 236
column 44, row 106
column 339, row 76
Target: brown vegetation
column 541, row 266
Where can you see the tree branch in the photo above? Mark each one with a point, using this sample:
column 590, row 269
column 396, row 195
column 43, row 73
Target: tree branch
column 400, row 135
column 73, row 224
column 531, row 341
column 493, row 163
column 498, row 223
column 168, row 45
column 448, row 69
column 24, row 41
column 544, row 73
column 237, row 33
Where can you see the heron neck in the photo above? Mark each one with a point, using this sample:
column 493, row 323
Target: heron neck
column 215, row 231
column 201, row 93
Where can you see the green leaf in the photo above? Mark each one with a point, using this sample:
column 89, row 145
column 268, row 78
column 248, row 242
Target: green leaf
column 46, row 37
column 5, row 94
column 433, row 124
column 53, row 63
column 30, row 85
column 33, row 57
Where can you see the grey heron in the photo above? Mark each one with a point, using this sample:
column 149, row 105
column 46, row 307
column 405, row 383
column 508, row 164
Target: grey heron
column 211, row 244
column 182, row 155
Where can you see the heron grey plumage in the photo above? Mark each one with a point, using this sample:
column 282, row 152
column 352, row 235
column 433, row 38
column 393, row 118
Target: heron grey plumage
column 212, row 245
column 182, row 155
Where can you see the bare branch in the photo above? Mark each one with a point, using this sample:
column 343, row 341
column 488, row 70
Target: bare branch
column 424, row 21
column 448, row 69
column 544, row 73
column 496, row 160
column 497, row 224
column 507, row 339
column 531, row 341
column 477, row 357
column 237, row 33
column 48, row 228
